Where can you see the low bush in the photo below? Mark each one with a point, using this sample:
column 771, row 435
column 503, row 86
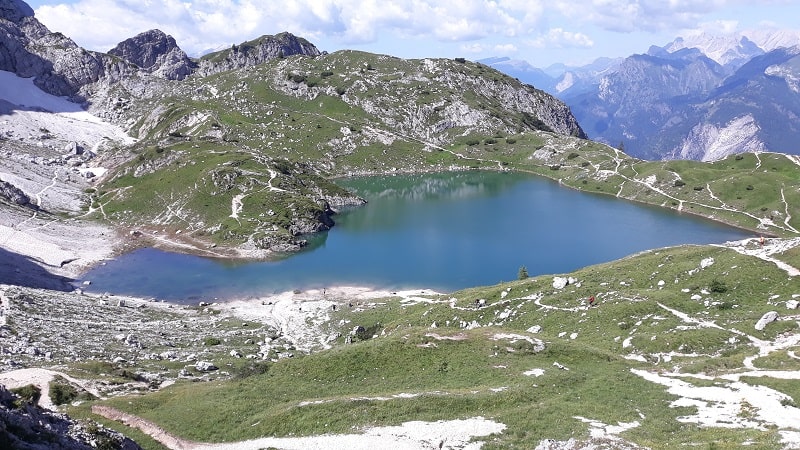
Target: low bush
column 61, row 393
column 27, row 394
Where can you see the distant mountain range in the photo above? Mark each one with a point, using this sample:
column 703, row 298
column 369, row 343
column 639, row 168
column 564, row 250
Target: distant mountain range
column 701, row 97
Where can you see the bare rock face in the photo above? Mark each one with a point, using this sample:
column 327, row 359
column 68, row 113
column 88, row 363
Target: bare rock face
column 256, row 52
column 29, row 49
column 14, row 194
column 15, row 10
column 157, row 53
column 26, row 426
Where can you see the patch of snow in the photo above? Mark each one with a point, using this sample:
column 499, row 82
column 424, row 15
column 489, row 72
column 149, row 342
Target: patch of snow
column 31, row 110
column 722, row 406
column 454, row 434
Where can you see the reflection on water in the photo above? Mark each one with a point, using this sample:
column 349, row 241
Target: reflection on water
column 438, row 231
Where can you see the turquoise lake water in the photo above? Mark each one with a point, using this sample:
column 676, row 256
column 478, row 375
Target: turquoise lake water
column 443, row 231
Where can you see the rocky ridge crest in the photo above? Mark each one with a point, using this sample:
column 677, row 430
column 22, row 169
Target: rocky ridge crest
column 157, row 53
column 256, row 52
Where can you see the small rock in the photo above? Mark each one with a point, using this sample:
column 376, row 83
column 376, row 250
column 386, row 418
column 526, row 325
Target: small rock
column 792, row 304
column 535, row 329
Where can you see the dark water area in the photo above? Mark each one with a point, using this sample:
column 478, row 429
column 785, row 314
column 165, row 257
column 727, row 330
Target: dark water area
column 444, row 231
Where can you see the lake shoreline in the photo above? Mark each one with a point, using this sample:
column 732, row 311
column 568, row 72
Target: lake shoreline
column 86, row 253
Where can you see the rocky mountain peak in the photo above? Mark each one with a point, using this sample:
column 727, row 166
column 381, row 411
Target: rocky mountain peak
column 155, row 52
column 15, row 10
column 256, row 52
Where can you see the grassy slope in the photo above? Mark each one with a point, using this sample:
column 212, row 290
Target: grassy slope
column 483, row 375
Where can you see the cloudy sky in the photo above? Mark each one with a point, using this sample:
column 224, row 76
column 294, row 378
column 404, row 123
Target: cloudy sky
column 542, row 32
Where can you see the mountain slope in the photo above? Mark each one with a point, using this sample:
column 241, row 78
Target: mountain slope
column 642, row 104
column 234, row 150
column 261, row 137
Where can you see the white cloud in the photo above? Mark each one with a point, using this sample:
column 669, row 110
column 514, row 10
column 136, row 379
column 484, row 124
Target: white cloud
column 505, row 49
column 201, row 24
column 627, row 16
column 414, row 28
column 559, row 38
column 473, row 48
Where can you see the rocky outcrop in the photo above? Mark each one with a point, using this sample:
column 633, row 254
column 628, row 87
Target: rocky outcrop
column 14, row 194
column 157, row 53
column 14, row 10
column 25, row 426
column 60, row 67
column 255, row 52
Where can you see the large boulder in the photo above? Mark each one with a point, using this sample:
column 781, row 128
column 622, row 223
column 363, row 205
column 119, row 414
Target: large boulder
column 766, row 319
column 205, row 366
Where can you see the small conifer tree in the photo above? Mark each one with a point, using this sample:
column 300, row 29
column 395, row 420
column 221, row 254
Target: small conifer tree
column 522, row 273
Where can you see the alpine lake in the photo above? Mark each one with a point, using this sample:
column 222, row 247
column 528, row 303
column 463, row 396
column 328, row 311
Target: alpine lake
column 440, row 231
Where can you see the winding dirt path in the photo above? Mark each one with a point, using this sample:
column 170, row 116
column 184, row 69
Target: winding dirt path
column 145, row 426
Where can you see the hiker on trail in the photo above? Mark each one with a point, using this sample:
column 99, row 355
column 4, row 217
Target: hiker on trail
column 761, row 240
column 591, row 300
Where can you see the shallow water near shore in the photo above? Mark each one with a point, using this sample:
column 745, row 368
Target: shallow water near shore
column 444, row 231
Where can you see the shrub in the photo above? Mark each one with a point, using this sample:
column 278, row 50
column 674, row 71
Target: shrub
column 251, row 369
column 749, row 187
column 326, row 74
column 718, row 286
column 28, row 394
column 472, row 142
column 679, row 183
column 460, row 60
column 572, row 155
column 340, row 90
column 363, row 334
column 209, row 341
column 698, row 188
column 511, row 141
column 490, row 141
column 61, row 393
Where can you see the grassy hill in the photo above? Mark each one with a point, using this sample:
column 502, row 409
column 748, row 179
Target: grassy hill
column 669, row 356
